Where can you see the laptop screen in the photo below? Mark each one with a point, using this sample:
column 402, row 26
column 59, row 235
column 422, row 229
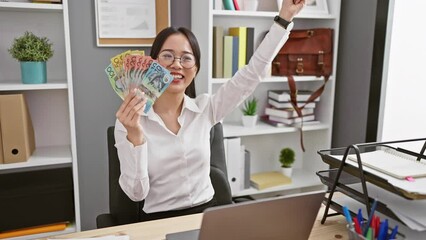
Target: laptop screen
column 286, row 217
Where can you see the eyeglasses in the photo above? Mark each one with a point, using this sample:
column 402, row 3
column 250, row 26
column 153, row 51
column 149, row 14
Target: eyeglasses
column 167, row 58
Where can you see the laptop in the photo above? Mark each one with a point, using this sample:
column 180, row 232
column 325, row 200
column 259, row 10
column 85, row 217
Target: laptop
column 286, row 217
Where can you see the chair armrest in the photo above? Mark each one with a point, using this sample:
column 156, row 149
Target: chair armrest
column 105, row 220
column 221, row 187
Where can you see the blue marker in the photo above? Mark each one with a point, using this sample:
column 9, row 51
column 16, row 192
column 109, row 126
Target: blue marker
column 381, row 230
column 394, row 232
column 385, row 230
column 370, row 217
column 347, row 215
column 359, row 216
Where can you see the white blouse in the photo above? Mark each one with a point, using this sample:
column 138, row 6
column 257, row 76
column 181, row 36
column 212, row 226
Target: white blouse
column 171, row 171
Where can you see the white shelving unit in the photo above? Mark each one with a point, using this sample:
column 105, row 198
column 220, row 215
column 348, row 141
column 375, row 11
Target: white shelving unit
column 51, row 105
column 264, row 141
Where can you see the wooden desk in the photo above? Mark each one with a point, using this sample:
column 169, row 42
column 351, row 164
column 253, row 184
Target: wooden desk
column 334, row 228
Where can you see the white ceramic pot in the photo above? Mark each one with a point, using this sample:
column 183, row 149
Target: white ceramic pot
column 287, row 171
column 249, row 121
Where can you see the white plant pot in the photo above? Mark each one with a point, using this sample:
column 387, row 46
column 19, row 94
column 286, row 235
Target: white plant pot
column 287, row 171
column 249, row 121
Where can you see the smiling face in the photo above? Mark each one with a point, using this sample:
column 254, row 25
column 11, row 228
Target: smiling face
column 174, row 55
column 179, row 40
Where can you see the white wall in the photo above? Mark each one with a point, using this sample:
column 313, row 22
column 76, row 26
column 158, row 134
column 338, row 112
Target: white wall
column 402, row 106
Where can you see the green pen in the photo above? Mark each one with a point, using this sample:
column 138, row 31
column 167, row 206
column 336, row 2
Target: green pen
column 369, row 235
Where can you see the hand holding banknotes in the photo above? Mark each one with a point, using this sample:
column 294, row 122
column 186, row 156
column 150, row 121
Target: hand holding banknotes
column 129, row 115
column 132, row 69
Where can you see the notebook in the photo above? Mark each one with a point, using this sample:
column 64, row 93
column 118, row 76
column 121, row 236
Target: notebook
column 268, row 179
column 285, row 217
column 392, row 162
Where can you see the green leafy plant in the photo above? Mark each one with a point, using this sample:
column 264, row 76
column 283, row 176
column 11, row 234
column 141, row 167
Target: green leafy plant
column 287, row 157
column 31, row 48
column 250, row 107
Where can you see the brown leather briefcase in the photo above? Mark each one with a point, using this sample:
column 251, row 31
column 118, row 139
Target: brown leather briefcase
column 306, row 52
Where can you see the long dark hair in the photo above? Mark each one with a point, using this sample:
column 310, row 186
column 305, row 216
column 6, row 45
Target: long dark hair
column 162, row 37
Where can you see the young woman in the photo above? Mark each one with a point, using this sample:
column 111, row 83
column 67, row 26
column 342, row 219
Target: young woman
column 165, row 154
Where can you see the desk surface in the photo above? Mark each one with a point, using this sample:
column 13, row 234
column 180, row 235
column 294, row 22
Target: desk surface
column 334, row 228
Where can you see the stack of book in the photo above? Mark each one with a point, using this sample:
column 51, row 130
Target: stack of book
column 280, row 111
column 232, row 49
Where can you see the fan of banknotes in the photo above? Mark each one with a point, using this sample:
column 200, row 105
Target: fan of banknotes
column 132, row 69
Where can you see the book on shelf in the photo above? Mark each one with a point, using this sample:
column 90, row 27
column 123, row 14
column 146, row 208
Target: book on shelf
column 218, row 51
column 235, row 53
column 227, row 56
column 228, row 4
column 46, row 1
column 393, row 163
column 284, row 95
column 241, row 33
column 287, row 112
column 250, row 43
column 287, row 104
column 246, row 169
column 293, row 120
column 265, row 119
column 236, row 6
column 264, row 180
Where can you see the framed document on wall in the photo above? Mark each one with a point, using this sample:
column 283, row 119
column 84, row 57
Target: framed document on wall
column 131, row 22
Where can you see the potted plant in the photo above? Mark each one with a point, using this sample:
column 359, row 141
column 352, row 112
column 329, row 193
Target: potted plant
column 287, row 158
column 32, row 52
column 250, row 112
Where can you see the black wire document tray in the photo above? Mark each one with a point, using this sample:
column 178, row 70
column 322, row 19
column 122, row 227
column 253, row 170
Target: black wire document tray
column 391, row 172
column 403, row 172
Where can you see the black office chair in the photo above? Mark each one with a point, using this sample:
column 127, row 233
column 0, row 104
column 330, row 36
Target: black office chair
column 125, row 211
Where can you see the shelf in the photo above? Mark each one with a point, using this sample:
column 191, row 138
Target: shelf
column 238, row 130
column 275, row 79
column 42, row 156
column 268, row 14
column 70, row 229
column 301, row 178
column 30, row 7
column 13, row 85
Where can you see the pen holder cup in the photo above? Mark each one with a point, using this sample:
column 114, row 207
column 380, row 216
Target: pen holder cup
column 353, row 235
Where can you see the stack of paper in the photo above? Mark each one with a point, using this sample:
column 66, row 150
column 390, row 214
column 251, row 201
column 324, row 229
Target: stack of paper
column 417, row 187
column 411, row 212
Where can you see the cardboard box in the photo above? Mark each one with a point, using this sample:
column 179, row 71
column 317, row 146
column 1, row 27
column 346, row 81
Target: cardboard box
column 17, row 133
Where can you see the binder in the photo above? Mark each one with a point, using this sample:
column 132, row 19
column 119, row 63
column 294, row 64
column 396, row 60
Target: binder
column 241, row 33
column 17, row 131
column 218, row 51
column 227, row 56
column 246, row 169
column 233, row 164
